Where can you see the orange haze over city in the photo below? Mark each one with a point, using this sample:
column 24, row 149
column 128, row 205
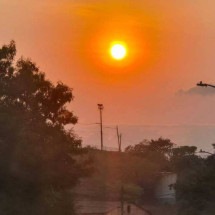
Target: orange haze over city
column 148, row 86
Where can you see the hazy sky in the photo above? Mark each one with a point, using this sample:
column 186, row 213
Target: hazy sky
column 171, row 47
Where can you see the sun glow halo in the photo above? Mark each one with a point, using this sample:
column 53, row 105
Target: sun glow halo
column 118, row 51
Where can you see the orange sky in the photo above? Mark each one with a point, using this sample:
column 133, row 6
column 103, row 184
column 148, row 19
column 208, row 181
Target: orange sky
column 170, row 48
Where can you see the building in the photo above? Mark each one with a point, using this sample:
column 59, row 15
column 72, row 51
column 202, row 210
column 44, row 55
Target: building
column 165, row 191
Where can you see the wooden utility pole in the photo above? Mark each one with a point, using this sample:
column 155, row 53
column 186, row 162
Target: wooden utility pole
column 120, row 142
column 101, row 107
column 119, row 139
column 122, row 200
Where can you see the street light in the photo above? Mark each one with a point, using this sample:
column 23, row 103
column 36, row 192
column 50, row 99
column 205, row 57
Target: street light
column 101, row 107
column 201, row 84
column 202, row 151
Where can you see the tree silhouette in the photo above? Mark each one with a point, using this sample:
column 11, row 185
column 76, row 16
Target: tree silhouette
column 36, row 151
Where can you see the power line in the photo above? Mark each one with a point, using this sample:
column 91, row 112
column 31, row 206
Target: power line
column 119, row 135
column 96, row 123
column 109, row 127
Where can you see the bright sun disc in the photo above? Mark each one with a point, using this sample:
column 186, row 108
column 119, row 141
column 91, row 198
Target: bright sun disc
column 118, row 51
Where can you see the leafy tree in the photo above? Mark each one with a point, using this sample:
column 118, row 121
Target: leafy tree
column 195, row 187
column 160, row 145
column 184, row 151
column 156, row 151
column 154, row 156
column 36, row 151
column 181, row 156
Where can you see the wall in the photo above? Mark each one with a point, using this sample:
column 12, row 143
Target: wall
column 165, row 192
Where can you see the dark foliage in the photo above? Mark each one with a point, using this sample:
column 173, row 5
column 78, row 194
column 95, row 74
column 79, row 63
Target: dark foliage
column 36, row 151
column 155, row 151
column 154, row 156
column 195, row 187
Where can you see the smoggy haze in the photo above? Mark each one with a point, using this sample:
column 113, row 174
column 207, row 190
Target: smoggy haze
column 172, row 48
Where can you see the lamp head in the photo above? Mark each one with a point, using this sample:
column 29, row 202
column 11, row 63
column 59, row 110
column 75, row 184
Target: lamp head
column 201, row 84
column 100, row 106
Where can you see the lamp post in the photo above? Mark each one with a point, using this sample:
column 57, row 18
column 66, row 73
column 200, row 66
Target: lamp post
column 119, row 139
column 202, row 151
column 101, row 107
column 201, row 84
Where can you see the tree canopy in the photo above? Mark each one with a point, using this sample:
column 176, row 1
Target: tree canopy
column 155, row 151
column 36, row 151
column 195, row 187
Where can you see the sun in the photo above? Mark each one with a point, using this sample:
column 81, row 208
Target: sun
column 118, row 51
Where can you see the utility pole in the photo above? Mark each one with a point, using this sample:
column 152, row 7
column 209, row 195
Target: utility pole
column 122, row 199
column 101, row 107
column 120, row 142
column 119, row 138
